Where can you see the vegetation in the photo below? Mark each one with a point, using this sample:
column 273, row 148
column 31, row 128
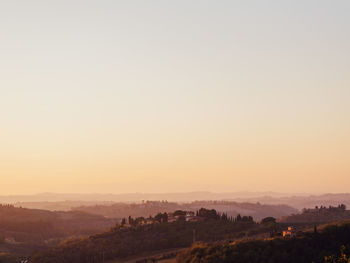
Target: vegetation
column 309, row 247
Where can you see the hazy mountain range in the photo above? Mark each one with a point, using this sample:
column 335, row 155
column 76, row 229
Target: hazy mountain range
column 58, row 201
column 136, row 197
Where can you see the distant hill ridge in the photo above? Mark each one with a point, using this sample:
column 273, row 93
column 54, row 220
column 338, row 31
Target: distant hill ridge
column 67, row 201
column 256, row 210
column 320, row 214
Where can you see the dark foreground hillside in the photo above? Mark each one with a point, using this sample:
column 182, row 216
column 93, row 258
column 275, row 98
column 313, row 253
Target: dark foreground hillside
column 308, row 247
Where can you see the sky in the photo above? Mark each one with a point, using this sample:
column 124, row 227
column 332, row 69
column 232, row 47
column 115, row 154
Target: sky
column 174, row 96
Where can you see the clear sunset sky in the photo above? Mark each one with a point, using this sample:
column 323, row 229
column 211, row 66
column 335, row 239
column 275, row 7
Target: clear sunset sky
column 174, row 96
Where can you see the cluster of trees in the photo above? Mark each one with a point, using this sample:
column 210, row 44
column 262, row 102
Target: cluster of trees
column 323, row 209
column 212, row 214
column 310, row 247
column 158, row 218
column 180, row 215
column 208, row 213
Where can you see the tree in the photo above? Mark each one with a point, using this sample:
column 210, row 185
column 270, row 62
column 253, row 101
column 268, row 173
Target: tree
column 207, row 213
column 268, row 220
column 161, row 218
column 131, row 221
column 179, row 213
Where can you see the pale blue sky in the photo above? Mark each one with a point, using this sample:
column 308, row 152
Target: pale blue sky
column 158, row 96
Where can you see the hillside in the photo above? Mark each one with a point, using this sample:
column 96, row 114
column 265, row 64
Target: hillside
column 23, row 230
column 123, row 241
column 306, row 248
column 319, row 215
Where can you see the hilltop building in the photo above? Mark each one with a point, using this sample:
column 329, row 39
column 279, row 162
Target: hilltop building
column 290, row 232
